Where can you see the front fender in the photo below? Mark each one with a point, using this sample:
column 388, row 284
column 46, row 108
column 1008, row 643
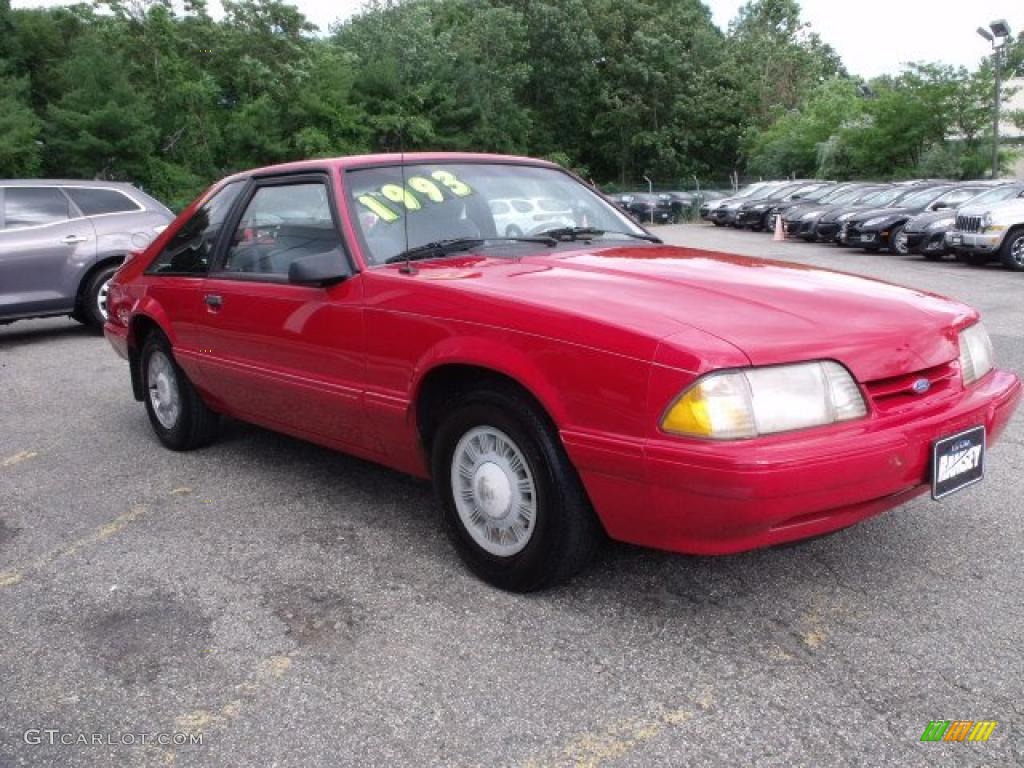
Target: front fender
column 505, row 359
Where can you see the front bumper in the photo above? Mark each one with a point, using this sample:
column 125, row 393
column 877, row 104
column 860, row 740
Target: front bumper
column 974, row 242
column 827, row 231
column 725, row 216
column 926, row 242
column 865, row 237
column 713, row 498
column 750, row 218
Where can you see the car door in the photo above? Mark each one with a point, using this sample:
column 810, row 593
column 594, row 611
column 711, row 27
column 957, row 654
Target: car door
column 176, row 276
column 288, row 356
column 45, row 248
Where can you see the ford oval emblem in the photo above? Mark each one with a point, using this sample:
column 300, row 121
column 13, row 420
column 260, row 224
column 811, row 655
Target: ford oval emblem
column 921, row 386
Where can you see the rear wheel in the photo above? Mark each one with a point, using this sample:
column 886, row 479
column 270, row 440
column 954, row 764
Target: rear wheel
column 1012, row 252
column 511, row 501
column 92, row 307
column 178, row 415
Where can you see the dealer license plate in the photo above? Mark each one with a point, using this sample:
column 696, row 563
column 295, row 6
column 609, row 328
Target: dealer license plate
column 958, row 461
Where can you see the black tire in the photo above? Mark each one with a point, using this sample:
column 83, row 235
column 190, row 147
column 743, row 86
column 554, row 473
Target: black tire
column 194, row 424
column 892, row 242
column 932, row 256
column 91, row 308
column 717, row 223
column 1012, row 251
column 564, row 533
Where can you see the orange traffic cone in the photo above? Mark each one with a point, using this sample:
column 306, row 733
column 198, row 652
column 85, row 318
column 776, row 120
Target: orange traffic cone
column 780, row 229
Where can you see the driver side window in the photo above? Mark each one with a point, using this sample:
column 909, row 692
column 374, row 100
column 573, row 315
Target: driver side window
column 281, row 224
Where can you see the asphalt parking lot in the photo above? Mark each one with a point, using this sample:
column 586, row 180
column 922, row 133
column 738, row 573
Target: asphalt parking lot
column 296, row 607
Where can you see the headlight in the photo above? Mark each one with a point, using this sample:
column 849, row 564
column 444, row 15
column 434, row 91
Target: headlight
column 810, row 215
column 876, row 221
column 975, row 353
column 760, row 207
column 941, row 224
column 986, row 221
column 846, row 216
column 762, row 401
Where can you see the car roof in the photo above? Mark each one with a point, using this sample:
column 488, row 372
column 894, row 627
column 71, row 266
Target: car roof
column 66, row 183
column 390, row 158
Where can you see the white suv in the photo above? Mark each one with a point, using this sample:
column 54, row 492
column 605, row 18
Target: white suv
column 983, row 233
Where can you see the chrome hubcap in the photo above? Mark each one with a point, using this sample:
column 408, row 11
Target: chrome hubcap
column 163, row 390
column 101, row 299
column 1017, row 252
column 494, row 491
column 900, row 242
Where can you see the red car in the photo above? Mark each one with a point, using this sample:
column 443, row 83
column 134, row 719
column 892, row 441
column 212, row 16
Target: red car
column 567, row 383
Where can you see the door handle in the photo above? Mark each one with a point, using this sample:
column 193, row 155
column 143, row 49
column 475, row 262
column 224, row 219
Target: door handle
column 72, row 239
column 213, row 301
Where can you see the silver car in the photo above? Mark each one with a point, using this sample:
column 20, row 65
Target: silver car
column 60, row 242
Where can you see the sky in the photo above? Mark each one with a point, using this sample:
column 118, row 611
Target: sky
column 873, row 37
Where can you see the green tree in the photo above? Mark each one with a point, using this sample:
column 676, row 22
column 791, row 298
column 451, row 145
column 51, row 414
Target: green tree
column 101, row 127
column 19, row 129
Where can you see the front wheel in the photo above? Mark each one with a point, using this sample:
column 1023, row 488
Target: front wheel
column 178, row 415
column 1012, row 252
column 512, row 502
column 898, row 242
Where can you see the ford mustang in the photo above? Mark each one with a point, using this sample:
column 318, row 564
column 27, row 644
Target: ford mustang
column 562, row 384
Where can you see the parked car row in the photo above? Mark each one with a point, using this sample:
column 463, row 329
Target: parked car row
column 662, row 207
column 977, row 221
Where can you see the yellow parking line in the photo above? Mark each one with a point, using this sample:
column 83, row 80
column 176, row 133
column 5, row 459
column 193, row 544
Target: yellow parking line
column 12, row 576
column 17, row 458
column 590, row 750
column 203, row 721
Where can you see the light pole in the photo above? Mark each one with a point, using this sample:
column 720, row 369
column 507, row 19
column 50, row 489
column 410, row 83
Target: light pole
column 1000, row 31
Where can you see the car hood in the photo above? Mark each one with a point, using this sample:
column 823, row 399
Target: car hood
column 1004, row 208
column 772, row 312
column 872, row 213
column 922, row 220
column 832, row 214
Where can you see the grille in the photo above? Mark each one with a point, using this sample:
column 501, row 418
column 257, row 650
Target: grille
column 968, row 223
column 898, row 392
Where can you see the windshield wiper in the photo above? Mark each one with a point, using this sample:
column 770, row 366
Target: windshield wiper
column 441, row 248
column 566, row 234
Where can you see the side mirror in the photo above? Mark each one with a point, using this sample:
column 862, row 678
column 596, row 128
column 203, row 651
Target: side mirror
column 319, row 270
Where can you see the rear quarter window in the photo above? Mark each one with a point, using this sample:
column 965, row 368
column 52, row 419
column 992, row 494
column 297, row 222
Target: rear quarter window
column 94, row 202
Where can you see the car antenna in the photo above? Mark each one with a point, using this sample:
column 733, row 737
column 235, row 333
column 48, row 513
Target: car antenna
column 407, row 268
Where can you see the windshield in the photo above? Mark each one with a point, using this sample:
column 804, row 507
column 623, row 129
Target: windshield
column 849, row 196
column 922, row 198
column 882, row 197
column 762, row 187
column 995, row 195
column 780, row 192
column 819, row 193
column 396, row 211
